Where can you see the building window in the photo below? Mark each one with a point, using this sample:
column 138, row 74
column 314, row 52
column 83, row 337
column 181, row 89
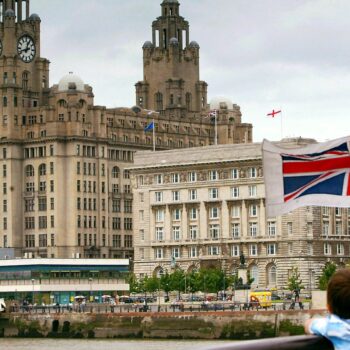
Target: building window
column 128, row 224
column 159, row 253
column 252, row 191
column 214, row 213
column 158, row 179
column 159, row 234
column 253, row 210
column 116, row 205
column 176, row 233
column 176, row 214
column 29, row 170
column 30, row 241
column 193, row 232
column 338, row 228
column 43, row 240
column 271, row 249
column 236, row 230
column 192, row 195
column 235, row 173
column 176, row 196
column 128, row 241
column 272, row 275
column 340, row 249
column 193, row 252
column 117, row 241
column 175, row 252
column 192, row 176
column 253, row 229
column 236, row 211
column 214, row 231
column 159, row 197
column 213, row 175
column 126, row 174
column 252, row 172
column 235, row 250
column 289, row 228
column 127, row 206
column 327, row 249
column 193, row 214
column 115, row 172
column 175, row 178
column 42, row 204
column 29, row 205
column 159, row 215
column 213, row 193
column 42, row 222
column 213, row 250
column 234, row 192
column 271, row 228
column 253, row 250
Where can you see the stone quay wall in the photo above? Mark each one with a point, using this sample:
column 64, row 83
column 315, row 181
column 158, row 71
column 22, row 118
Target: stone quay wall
column 237, row 325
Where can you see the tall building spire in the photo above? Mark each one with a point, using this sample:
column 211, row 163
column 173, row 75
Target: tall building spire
column 171, row 67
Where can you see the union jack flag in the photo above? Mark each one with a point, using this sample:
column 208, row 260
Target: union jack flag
column 315, row 174
column 325, row 172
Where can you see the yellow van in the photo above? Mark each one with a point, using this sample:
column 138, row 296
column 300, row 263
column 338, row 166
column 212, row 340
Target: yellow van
column 262, row 299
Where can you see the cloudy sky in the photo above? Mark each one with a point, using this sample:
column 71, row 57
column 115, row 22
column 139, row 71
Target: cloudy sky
column 262, row 54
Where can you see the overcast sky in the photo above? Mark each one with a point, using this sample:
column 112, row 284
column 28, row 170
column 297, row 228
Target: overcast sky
column 262, row 54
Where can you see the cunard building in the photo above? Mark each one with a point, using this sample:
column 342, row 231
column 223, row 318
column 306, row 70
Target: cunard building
column 65, row 188
column 204, row 207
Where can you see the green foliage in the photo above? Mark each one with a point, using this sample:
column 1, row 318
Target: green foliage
column 294, row 281
column 327, row 273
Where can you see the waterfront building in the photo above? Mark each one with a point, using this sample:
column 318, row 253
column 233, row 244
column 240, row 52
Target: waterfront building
column 204, row 207
column 61, row 280
column 65, row 188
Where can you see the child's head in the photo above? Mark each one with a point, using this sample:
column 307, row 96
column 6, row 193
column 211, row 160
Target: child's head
column 338, row 294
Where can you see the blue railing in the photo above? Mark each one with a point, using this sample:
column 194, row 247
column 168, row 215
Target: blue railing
column 300, row 342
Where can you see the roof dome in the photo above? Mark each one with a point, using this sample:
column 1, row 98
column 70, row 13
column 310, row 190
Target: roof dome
column 147, row 45
column 9, row 13
column 220, row 102
column 34, row 17
column 170, row 2
column 194, row 44
column 174, row 41
column 71, row 82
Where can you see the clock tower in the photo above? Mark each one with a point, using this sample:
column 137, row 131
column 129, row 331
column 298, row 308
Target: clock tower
column 24, row 75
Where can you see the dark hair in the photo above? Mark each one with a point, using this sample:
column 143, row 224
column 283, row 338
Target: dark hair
column 338, row 293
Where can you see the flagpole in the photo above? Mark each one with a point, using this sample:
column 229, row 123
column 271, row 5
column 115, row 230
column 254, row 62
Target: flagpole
column 216, row 127
column 154, row 136
column 281, row 124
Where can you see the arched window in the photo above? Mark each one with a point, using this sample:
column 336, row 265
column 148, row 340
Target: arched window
column 158, row 97
column 254, row 273
column 25, row 80
column 4, row 101
column 115, row 172
column 272, row 275
column 29, row 170
column 188, row 101
column 42, row 169
column 43, row 82
column 82, row 103
column 62, row 103
column 126, row 174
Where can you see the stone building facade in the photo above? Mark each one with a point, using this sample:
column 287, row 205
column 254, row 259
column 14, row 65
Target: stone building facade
column 206, row 206
column 65, row 188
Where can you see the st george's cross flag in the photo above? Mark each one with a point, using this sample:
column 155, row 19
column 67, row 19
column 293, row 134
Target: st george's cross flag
column 317, row 174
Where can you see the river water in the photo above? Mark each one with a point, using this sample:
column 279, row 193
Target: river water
column 110, row 344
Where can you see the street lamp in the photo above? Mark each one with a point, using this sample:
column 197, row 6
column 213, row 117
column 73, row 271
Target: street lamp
column 33, row 280
column 90, row 282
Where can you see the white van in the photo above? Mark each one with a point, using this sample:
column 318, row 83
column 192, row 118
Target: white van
column 2, row 305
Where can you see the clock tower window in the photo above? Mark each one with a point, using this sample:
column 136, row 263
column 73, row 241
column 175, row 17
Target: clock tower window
column 4, row 101
column 25, row 79
column 14, row 78
column 5, row 77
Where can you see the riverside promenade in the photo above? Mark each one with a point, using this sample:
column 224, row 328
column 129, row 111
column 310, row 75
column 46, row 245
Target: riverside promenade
column 227, row 324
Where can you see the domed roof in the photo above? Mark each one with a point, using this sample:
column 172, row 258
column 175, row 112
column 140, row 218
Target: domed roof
column 170, row 2
column 34, row 17
column 9, row 13
column 71, row 82
column 147, row 45
column 194, row 44
column 220, row 102
column 174, row 41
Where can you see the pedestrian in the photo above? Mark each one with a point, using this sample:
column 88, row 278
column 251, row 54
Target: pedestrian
column 336, row 326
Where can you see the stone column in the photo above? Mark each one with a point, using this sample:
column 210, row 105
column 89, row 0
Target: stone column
column 27, row 9
column 225, row 220
column 167, row 223
column 203, row 224
column 262, row 219
column 19, row 10
column 184, row 223
column 244, row 222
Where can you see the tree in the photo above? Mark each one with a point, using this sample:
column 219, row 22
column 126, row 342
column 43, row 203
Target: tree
column 165, row 283
column 294, row 281
column 177, row 281
column 152, row 284
column 327, row 273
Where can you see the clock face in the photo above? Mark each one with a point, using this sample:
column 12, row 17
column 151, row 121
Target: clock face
column 26, row 48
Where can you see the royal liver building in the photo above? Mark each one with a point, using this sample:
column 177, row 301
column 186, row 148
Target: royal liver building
column 65, row 185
